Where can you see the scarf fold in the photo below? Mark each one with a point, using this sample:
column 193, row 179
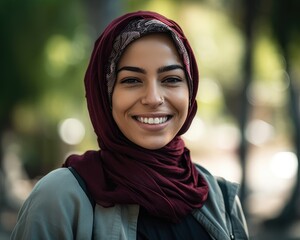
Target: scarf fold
column 164, row 181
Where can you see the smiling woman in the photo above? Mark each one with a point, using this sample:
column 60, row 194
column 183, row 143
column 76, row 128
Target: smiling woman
column 150, row 97
column 141, row 85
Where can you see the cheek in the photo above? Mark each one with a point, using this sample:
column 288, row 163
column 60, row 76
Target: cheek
column 116, row 106
column 184, row 105
column 121, row 103
column 181, row 101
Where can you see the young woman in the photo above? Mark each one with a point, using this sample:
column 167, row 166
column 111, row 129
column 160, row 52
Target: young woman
column 141, row 85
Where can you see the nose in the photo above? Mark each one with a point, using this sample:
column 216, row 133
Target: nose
column 152, row 95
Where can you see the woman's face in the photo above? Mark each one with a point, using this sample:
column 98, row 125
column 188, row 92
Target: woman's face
column 151, row 98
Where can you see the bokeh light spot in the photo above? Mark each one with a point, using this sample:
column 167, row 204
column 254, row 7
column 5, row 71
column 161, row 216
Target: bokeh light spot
column 71, row 131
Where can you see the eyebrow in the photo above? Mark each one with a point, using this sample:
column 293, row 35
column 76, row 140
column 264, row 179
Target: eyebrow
column 132, row 69
column 169, row 68
column 141, row 70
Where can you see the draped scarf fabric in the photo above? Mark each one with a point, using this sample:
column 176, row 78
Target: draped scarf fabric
column 164, row 181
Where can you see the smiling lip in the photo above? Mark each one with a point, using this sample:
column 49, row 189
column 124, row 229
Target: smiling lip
column 152, row 120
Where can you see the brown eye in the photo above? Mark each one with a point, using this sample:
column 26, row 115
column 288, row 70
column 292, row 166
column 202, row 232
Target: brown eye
column 172, row 80
column 130, row 81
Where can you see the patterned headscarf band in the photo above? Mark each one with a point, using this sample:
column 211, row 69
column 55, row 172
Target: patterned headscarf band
column 134, row 30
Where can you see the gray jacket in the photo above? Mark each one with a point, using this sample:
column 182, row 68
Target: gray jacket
column 58, row 208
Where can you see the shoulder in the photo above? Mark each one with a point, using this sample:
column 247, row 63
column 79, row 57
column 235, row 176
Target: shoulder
column 56, row 176
column 56, row 205
column 223, row 197
column 221, row 191
column 59, row 189
column 60, row 180
column 216, row 183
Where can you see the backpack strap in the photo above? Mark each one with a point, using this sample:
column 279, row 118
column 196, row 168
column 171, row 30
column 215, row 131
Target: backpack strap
column 82, row 185
column 223, row 187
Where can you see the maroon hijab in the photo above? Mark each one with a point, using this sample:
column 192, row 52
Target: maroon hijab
column 164, row 181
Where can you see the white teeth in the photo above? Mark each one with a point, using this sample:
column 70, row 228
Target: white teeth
column 157, row 120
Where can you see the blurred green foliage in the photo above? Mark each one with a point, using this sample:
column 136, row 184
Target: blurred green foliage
column 44, row 53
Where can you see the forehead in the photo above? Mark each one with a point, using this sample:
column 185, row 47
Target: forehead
column 153, row 47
